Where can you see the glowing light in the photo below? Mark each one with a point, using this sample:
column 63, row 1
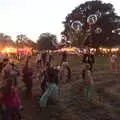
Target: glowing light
column 9, row 50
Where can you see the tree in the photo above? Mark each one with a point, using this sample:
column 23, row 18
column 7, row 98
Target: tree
column 23, row 41
column 47, row 41
column 107, row 22
column 6, row 40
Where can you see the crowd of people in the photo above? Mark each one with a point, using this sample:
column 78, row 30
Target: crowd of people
column 48, row 75
column 51, row 78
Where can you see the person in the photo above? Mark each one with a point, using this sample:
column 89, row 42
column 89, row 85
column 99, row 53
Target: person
column 64, row 64
column 89, row 58
column 3, row 63
column 44, row 55
column 28, row 76
column 45, row 76
column 88, row 83
column 64, row 57
column 10, row 100
column 52, row 91
column 39, row 59
column 113, row 63
column 6, row 72
column 48, row 57
column 14, row 74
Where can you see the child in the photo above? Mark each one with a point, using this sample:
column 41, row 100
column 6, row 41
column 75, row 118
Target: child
column 11, row 102
column 51, row 91
column 88, row 83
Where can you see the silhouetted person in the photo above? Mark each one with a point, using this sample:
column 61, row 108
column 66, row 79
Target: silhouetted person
column 89, row 58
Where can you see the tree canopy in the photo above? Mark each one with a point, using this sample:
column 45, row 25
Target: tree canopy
column 107, row 21
column 23, row 41
column 47, row 41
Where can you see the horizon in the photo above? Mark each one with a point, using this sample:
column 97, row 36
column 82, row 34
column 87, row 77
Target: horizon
column 33, row 17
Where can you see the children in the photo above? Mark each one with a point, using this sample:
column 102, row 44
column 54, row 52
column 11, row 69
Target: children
column 11, row 102
column 88, row 83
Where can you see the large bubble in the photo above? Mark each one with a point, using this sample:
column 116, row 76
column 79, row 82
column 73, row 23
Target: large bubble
column 76, row 25
column 92, row 19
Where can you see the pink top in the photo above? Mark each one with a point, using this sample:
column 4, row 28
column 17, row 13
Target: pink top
column 11, row 100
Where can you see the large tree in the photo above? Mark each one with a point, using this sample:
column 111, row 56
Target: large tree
column 47, row 41
column 5, row 41
column 107, row 21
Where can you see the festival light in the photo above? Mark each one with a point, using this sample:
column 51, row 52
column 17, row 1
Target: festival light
column 9, row 50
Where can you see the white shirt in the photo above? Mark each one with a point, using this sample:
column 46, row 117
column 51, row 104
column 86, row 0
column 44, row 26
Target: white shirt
column 39, row 56
column 113, row 58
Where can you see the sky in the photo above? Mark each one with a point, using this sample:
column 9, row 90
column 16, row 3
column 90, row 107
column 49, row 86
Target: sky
column 33, row 17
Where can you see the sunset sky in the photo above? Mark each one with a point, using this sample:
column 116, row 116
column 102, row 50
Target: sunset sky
column 33, row 17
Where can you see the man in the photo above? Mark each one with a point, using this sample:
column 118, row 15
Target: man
column 39, row 59
column 89, row 58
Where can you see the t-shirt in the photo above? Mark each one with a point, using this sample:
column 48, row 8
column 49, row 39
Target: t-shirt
column 39, row 57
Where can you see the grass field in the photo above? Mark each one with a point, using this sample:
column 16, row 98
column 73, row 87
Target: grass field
column 71, row 106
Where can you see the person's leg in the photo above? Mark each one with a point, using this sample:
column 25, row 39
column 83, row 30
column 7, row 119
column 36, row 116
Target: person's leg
column 7, row 114
column 69, row 72
column 43, row 86
column 30, row 85
column 15, row 81
column 45, row 97
column 55, row 94
column 26, row 84
column 88, row 93
column 91, row 67
column 17, row 113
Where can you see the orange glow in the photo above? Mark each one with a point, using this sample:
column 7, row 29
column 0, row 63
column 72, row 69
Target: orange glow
column 9, row 50
column 16, row 50
column 70, row 50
